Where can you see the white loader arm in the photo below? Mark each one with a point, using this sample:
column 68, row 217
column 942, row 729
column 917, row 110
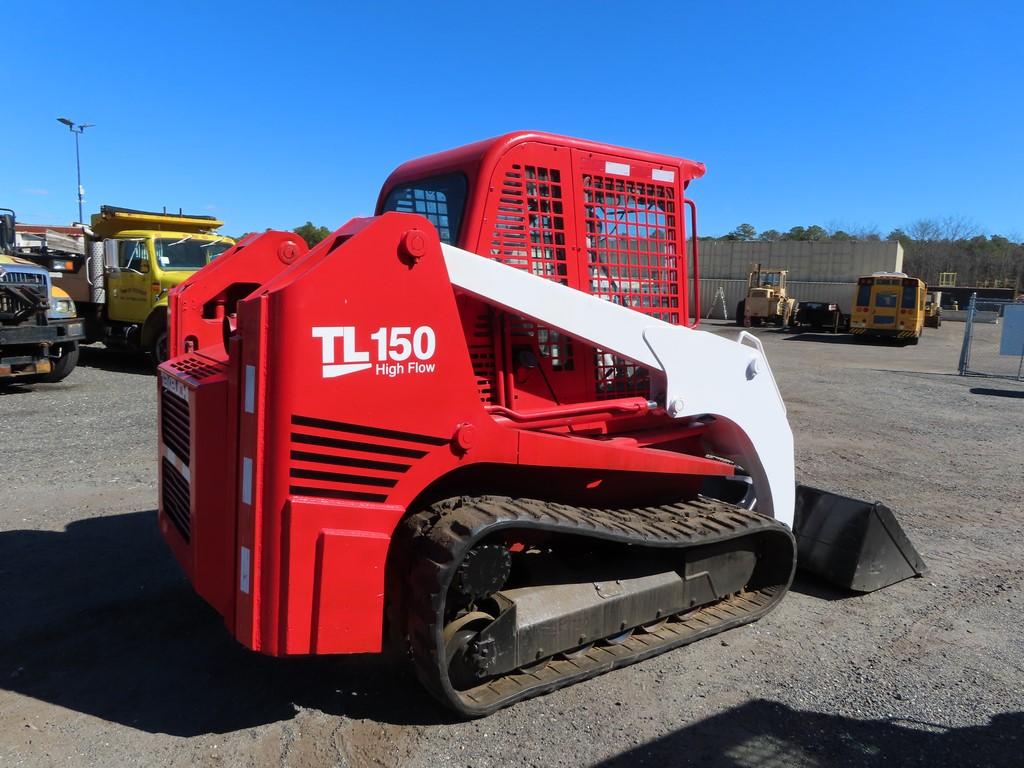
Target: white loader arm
column 704, row 374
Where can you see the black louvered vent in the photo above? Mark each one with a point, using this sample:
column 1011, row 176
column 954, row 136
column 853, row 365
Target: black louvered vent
column 175, row 501
column 481, row 355
column 336, row 460
column 175, row 424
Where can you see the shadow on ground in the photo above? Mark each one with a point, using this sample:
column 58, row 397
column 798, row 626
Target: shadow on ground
column 98, row 619
column 1013, row 393
column 813, row 586
column 10, row 388
column 115, row 360
column 766, row 734
column 823, row 338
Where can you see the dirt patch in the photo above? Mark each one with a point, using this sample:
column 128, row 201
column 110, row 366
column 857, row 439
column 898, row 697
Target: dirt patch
column 107, row 658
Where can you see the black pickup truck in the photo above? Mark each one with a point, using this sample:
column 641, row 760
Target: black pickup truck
column 820, row 316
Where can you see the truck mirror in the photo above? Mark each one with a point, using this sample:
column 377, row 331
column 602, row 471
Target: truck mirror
column 110, row 254
column 6, row 231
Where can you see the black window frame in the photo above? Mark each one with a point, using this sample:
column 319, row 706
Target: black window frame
column 886, row 295
column 864, row 295
column 455, row 187
column 135, row 261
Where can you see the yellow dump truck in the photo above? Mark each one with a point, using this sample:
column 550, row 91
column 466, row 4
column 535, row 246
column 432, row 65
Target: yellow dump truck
column 131, row 259
column 39, row 332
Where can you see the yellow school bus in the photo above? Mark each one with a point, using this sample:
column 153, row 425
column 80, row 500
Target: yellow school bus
column 889, row 305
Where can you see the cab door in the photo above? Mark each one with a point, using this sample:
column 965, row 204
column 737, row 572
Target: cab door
column 886, row 306
column 128, row 280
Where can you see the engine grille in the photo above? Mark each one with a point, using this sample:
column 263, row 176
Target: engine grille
column 175, row 424
column 335, row 460
column 195, row 367
column 175, row 501
column 22, row 278
column 21, row 294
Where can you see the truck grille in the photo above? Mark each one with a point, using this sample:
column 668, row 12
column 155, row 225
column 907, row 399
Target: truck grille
column 22, row 294
column 175, row 501
column 175, row 424
column 22, row 278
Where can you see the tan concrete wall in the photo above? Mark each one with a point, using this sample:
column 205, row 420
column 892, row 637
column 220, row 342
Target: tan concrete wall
column 819, row 262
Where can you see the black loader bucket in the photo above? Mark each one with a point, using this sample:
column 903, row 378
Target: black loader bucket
column 850, row 543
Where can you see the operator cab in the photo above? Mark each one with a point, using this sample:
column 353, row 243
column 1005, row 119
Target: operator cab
column 605, row 220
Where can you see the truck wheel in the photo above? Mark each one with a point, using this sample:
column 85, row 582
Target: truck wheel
column 153, row 336
column 62, row 366
column 158, row 348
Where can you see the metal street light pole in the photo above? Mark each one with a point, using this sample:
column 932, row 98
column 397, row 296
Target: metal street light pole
column 77, row 129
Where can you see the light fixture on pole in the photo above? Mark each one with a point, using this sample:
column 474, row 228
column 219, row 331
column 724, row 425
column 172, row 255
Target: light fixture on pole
column 77, row 129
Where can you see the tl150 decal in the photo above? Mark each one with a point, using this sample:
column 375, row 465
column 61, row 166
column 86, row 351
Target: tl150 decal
column 389, row 351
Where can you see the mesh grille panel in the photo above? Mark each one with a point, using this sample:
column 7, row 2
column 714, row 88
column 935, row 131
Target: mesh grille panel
column 529, row 234
column 632, row 260
column 196, row 367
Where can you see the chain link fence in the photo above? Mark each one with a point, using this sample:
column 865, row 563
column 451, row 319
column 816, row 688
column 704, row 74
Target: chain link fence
column 993, row 344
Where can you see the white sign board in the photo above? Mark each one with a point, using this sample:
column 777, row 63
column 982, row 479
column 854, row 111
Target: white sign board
column 1012, row 340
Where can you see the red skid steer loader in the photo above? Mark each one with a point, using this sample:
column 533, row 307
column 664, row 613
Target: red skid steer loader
column 480, row 425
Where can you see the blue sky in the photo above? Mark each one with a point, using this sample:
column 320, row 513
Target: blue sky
column 269, row 114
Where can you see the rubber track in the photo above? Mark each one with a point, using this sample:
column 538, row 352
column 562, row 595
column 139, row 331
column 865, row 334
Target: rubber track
column 437, row 539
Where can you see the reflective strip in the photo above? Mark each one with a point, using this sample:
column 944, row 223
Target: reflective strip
column 659, row 175
column 244, row 562
column 620, row 169
column 250, row 388
column 177, row 463
column 247, row 480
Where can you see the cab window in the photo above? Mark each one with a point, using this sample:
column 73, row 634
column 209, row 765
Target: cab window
column 131, row 254
column 187, row 253
column 885, row 299
column 440, row 199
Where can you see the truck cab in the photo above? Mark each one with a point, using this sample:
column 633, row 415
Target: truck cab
column 39, row 332
column 133, row 259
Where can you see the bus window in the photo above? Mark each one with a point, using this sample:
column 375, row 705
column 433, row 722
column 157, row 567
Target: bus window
column 864, row 295
column 909, row 296
column 885, row 300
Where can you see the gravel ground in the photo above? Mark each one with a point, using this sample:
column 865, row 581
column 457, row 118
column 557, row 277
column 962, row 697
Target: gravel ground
column 108, row 659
